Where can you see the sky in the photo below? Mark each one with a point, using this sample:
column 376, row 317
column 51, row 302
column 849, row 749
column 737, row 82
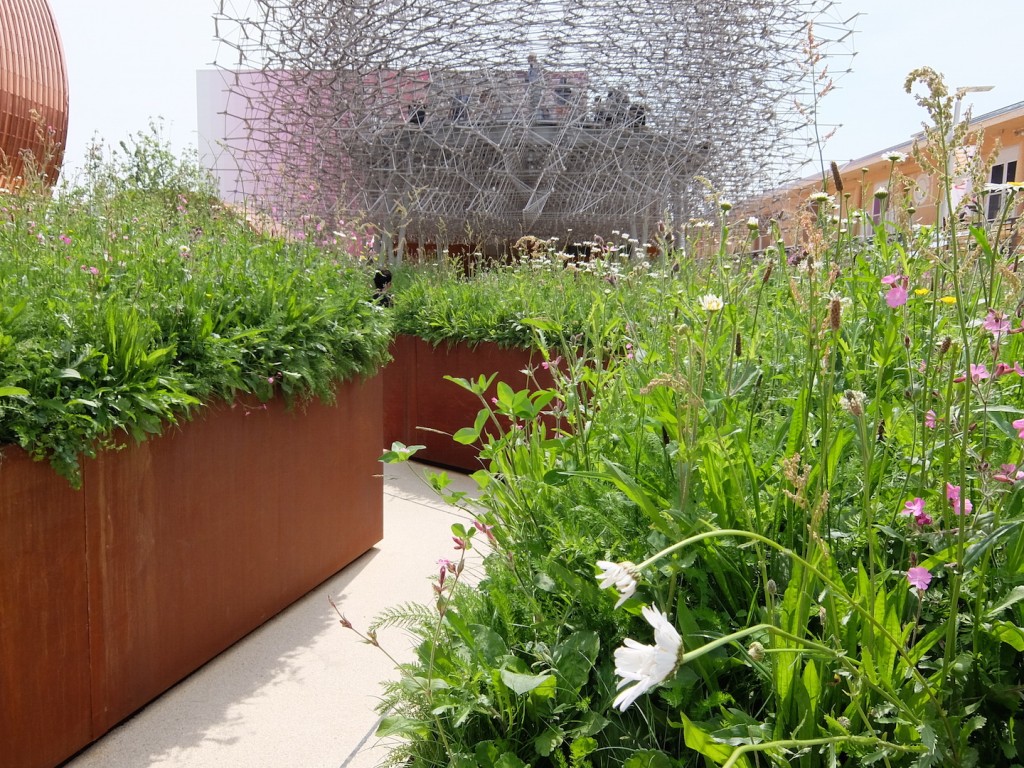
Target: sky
column 134, row 61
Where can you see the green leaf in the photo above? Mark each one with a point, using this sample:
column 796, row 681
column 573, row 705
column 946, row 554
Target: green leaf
column 13, row 392
column 69, row 373
column 522, row 683
column 487, row 643
column 1008, row 633
column 466, row 436
column 401, row 726
column 581, row 747
column 698, row 739
column 574, row 658
column 508, row 760
column 649, row 758
column 548, row 741
column 1015, row 596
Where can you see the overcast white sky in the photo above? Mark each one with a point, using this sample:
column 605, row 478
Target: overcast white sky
column 133, row 60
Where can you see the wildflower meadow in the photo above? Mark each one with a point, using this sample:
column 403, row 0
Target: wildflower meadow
column 769, row 514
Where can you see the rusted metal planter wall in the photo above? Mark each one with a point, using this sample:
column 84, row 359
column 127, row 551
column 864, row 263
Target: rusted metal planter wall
column 418, row 399
column 173, row 550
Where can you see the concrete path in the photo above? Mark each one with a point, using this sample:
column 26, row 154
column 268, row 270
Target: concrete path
column 300, row 691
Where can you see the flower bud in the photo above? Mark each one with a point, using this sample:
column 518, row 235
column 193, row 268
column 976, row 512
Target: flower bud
column 836, row 177
column 756, row 651
column 835, row 314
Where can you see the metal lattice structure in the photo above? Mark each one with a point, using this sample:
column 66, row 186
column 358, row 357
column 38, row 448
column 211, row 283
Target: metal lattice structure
column 431, row 119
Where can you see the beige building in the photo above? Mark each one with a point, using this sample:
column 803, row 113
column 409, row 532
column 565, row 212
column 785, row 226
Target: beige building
column 995, row 142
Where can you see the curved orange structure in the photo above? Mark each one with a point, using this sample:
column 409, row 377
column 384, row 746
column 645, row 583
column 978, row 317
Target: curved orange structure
column 33, row 91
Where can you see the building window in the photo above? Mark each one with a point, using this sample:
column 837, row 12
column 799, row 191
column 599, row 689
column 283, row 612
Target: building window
column 1003, row 172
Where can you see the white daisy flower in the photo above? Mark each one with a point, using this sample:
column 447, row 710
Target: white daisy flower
column 622, row 576
column 646, row 666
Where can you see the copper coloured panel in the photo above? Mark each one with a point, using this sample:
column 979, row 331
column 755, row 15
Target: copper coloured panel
column 436, row 408
column 204, row 534
column 44, row 620
column 33, row 91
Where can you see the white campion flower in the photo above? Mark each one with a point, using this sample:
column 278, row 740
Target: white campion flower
column 647, row 665
column 894, row 157
column 711, row 303
column 622, row 576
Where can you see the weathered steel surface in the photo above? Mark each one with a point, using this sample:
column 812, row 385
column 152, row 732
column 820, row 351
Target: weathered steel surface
column 44, row 619
column 423, row 408
column 174, row 549
column 203, row 535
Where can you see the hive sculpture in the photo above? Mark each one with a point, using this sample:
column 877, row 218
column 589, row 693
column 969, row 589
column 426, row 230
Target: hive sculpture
column 33, row 93
column 455, row 120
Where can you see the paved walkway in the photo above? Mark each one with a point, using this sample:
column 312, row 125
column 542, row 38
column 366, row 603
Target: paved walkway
column 300, row 691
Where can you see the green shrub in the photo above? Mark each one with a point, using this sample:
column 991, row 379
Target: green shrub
column 128, row 301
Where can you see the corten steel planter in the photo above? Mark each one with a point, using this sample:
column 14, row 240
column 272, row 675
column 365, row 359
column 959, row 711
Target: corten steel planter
column 33, row 91
column 45, row 690
column 421, row 407
column 174, row 549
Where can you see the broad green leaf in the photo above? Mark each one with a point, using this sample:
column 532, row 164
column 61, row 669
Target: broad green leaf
column 13, row 392
column 1015, row 596
column 574, row 658
column 466, row 436
column 649, row 758
column 548, row 741
column 522, row 683
column 487, row 643
column 404, row 727
column 508, row 760
column 1008, row 633
column 699, row 740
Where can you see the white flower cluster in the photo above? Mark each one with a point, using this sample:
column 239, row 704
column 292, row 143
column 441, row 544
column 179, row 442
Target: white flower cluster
column 640, row 667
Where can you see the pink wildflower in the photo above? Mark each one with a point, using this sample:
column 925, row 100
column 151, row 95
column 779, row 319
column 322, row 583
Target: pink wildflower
column 919, row 578
column 487, row 530
column 995, row 323
column 915, row 508
column 953, row 495
column 897, row 293
column 1019, row 426
column 979, row 372
column 896, row 296
column 1009, row 473
column 65, row 239
column 929, row 420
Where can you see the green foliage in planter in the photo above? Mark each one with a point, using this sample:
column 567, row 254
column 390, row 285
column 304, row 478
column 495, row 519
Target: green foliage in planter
column 125, row 304
column 440, row 303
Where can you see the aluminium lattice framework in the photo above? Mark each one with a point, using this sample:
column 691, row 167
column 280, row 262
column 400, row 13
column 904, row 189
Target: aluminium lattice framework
column 455, row 119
